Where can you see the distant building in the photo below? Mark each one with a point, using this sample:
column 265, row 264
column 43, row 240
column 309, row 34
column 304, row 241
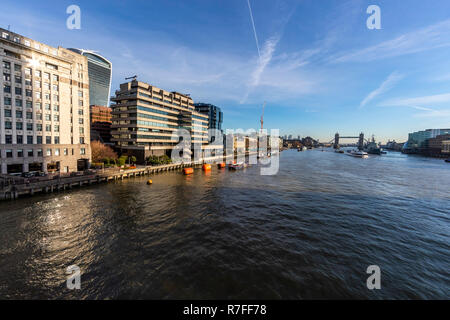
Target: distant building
column 435, row 145
column 418, row 141
column 446, row 147
column 144, row 118
column 214, row 113
column 100, row 123
column 100, row 74
column 43, row 107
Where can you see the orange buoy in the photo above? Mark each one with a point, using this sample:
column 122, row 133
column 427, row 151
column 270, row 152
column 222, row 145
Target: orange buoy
column 206, row 167
column 221, row 165
column 188, row 170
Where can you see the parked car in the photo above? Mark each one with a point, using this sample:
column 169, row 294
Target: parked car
column 27, row 174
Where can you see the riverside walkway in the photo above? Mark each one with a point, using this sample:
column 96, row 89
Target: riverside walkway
column 23, row 187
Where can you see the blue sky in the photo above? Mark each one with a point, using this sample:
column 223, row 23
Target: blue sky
column 320, row 69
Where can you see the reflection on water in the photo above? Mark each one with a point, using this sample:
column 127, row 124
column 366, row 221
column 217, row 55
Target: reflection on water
column 308, row 232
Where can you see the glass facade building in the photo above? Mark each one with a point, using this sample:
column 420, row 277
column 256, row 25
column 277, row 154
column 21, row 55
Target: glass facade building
column 100, row 74
column 214, row 113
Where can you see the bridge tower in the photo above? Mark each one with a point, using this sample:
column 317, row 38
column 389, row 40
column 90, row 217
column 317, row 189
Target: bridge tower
column 336, row 141
column 361, row 141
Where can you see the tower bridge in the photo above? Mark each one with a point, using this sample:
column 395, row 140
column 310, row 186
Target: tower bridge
column 337, row 139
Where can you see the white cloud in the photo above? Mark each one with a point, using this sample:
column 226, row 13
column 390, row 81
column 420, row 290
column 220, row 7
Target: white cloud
column 387, row 84
column 431, row 37
column 434, row 106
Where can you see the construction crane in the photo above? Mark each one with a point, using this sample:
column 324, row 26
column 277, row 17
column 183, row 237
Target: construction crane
column 262, row 116
column 133, row 77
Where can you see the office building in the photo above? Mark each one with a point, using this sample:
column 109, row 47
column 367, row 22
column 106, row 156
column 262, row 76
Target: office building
column 144, row 118
column 100, row 117
column 100, row 74
column 418, row 141
column 214, row 113
column 44, row 100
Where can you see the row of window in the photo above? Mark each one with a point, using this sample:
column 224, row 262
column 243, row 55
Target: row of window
column 27, row 42
column 28, row 82
column 48, row 152
column 29, row 126
column 29, row 72
column 48, row 139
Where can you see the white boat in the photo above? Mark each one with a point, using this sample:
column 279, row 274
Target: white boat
column 359, row 154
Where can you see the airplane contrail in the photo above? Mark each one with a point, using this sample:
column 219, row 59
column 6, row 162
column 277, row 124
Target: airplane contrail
column 254, row 29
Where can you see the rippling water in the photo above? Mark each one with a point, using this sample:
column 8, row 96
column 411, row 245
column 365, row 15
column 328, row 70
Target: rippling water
column 309, row 232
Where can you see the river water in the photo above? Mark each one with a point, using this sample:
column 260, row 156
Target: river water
column 310, row 231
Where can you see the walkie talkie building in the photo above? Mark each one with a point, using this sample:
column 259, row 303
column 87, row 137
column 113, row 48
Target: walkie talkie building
column 100, row 73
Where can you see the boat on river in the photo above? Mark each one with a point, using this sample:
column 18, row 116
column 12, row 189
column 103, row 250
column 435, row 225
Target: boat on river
column 359, row 154
column 236, row 166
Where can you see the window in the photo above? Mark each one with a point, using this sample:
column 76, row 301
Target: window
column 38, row 95
column 56, row 117
column 38, row 106
column 56, row 152
column 28, row 82
column 56, row 128
column 51, row 66
column 48, row 117
column 6, row 65
column 29, row 139
column 46, row 86
column 48, row 140
column 38, row 116
column 28, row 93
column 80, row 112
column 29, row 104
column 80, row 94
column 39, row 139
column 49, row 152
column 81, row 130
column 55, row 87
column 80, row 103
column 18, row 91
column 47, row 106
column 55, row 77
column 28, row 71
column 38, row 73
column 46, row 76
column 19, row 125
column 7, row 101
column 19, row 139
column 56, row 107
column 8, row 139
column 81, row 140
column 81, row 121
column 56, row 140
column 18, row 102
column 39, row 127
column 29, row 115
column 65, row 151
column 19, row 114
column 18, row 79
column 8, row 125
column 48, row 127
column 6, row 88
column 82, row 151
column 17, row 67
column 30, row 153
column 37, row 84
column 6, row 77
column 29, row 126
column 20, row 153
column 8, row 113
column 9, row 154
column 55, row 97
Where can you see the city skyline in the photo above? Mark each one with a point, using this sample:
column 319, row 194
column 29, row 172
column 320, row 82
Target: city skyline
column 320, row 69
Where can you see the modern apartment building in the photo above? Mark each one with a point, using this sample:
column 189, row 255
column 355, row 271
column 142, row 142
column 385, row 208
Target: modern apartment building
column 44, row 107
column 100, row 75
column 144, row 118
column 214, row 113
column 100, row 117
